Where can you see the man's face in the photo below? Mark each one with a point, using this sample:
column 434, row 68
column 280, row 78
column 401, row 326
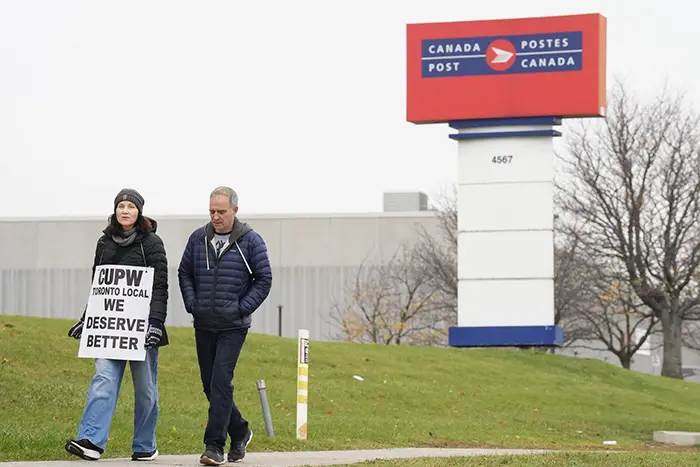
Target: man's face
column 222, row 213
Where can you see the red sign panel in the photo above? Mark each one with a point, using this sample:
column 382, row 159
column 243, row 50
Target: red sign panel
column 529, row 67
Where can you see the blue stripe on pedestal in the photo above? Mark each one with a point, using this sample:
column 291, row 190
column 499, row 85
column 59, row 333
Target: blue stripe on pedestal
column 504, row 122
column 505, row 336
column 505, row 134
column 501, row 122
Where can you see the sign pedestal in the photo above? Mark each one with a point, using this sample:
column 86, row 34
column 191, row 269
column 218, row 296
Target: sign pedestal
column 506, row 233
column 504, row 84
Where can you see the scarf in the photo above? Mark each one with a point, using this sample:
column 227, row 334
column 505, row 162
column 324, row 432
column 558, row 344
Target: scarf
column 124, row 238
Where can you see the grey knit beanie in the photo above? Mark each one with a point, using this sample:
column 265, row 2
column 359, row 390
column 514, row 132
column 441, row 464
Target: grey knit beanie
column 129, row 194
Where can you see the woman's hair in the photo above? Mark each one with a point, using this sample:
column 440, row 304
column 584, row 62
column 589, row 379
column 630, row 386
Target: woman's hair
column 143, row 225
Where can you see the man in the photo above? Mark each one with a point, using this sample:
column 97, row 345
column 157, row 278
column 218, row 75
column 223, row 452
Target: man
column 224, row 276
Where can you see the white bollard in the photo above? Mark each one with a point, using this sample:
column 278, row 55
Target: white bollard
column 302, row 383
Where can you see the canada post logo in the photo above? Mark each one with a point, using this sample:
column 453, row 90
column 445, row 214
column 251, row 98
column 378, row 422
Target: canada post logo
column 495, row 55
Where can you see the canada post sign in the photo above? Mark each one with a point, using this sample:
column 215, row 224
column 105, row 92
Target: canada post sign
column 534, row 53
column 551, row 66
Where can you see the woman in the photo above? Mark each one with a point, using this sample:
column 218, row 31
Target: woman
column 130, row 240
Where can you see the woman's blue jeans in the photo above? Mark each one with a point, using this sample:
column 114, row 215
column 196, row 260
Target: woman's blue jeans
column 102, row 401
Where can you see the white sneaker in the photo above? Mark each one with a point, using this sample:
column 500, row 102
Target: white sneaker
column 144, row 456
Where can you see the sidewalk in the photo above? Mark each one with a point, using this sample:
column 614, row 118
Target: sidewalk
column 289, row 459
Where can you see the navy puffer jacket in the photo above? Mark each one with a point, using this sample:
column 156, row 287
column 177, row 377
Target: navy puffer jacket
column 222, row 293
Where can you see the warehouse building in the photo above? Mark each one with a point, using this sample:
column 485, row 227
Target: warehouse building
column 46, row 263
column 45, row 268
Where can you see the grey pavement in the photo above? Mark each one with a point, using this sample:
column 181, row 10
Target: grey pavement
column 293, row 459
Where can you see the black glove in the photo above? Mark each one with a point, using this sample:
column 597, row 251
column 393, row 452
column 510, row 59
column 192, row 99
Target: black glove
column 76, row 330
column 154, row 333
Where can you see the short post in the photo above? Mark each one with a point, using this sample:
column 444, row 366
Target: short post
column 302, row 382
column 260, row 384
column 279, row 320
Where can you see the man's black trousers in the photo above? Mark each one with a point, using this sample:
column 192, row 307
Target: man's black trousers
column 218, row 353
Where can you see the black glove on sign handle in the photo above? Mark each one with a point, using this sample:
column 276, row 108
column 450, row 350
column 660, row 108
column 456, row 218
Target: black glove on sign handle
column 154, row 333
column 76, row 331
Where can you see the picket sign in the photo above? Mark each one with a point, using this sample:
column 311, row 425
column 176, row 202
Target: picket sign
column 116, row 319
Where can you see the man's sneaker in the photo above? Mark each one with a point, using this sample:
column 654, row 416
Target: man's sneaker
column 84, row 449
column 237, row 451
column 212, row 456
column 144, row 456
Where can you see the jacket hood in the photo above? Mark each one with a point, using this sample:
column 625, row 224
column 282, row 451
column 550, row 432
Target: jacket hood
column 239, row 229
column 154, row 224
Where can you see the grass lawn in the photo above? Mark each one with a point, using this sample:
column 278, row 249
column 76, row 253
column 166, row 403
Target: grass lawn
column 636, row 459
column 410, row 396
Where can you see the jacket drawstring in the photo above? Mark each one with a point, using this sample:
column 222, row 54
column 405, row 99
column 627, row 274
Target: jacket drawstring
column 206, row 251
column 244, row 260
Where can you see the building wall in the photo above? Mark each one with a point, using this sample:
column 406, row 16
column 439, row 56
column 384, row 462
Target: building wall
column 45, row 263
column 45, row 269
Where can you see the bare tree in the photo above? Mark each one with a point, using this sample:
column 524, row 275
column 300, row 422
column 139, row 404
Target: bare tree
column 613, row 315
column 633, row 182
column 391, row 303
column 435, row 257
column 594, row 308
column 571, row 287
column 691, row 333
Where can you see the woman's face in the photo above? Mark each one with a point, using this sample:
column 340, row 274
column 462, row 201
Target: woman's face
column 127, row 213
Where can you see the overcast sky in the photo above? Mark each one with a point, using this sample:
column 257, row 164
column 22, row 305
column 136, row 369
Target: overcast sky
column 300, row 106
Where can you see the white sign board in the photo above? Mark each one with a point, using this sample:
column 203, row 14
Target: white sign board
column 116, row 319
column 505, row 206
column 506, row 160
column 506, row 302
column 506, row 229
